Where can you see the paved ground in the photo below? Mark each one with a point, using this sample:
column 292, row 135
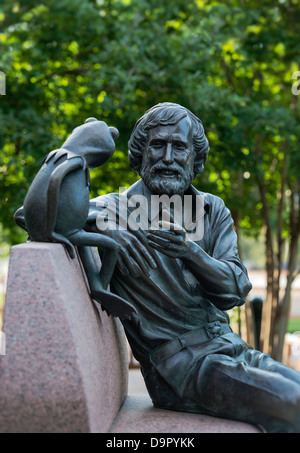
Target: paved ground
column 136, row 385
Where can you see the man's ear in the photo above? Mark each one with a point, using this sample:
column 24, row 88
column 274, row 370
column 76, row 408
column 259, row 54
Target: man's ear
column 198, row 168
column 135, row 162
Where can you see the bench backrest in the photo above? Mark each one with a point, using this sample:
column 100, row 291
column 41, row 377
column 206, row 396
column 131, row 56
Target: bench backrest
column 66, row 362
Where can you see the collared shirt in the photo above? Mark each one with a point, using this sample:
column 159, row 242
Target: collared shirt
column 171, row 300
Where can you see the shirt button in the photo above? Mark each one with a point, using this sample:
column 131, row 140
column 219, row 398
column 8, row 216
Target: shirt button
column 195, row 289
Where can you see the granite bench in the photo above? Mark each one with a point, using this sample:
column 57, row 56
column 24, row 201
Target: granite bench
column 66, row 363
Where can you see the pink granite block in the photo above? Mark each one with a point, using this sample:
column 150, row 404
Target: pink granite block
column 66, row 362
column 139, row 416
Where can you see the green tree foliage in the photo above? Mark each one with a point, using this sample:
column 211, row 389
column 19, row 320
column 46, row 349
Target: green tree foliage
column 230, row 62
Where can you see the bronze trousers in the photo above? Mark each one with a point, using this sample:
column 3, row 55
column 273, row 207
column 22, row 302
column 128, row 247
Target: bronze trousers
column 225, row 377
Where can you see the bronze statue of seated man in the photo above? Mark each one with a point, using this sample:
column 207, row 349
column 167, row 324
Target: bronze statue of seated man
column 181, row 285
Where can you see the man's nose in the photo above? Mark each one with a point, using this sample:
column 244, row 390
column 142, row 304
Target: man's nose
column 168, row 157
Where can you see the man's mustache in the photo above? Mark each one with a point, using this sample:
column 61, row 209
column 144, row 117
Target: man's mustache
column 160, row 168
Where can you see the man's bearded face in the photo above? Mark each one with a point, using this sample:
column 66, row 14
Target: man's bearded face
column 168, row 160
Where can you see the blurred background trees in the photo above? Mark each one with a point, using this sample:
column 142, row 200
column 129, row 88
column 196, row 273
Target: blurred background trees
column 230, row 62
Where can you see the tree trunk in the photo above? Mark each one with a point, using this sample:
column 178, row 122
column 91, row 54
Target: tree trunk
column 267, row 316
column 285, row 306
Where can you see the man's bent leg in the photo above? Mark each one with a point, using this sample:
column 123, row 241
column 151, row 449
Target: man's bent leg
column 229, row 388
column 263, row 361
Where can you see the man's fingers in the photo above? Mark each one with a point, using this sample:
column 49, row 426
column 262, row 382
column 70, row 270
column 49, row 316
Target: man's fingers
column 158, row 240
column 171, row 252
column 135, row 269
column 168, row 235
column 139, row 260
column 169, row 219
column 167, row 216
column 171, row 226
column 121, row 266
column 134, row 262
column 165, row 241
column 146, row 255
column 130, row 264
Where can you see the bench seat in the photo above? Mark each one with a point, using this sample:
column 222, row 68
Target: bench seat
column 137, row 415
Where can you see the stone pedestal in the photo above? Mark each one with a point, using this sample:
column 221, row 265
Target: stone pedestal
column 65, row 368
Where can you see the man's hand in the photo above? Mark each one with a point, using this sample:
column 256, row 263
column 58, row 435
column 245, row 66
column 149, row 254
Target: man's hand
column 171, row 240
column 134, row 258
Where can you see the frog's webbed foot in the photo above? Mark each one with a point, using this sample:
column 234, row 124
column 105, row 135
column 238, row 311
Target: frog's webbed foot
column 114, row 305
column 55, row 237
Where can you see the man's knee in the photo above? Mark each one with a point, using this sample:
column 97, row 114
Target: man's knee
column 228, row 385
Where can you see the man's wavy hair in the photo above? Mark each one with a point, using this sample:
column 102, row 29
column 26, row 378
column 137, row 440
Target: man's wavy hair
column 164, row 114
